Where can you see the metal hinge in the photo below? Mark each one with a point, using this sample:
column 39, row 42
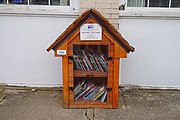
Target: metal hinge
column 71, row 88
column 70, row 57
column 110, row 58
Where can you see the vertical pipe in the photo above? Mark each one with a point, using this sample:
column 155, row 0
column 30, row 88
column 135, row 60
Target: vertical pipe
column 49, row 2
column 169, row 3
column 148, row 3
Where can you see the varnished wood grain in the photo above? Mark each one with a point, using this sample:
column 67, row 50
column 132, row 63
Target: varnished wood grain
column 115, row 83
column 65, row 82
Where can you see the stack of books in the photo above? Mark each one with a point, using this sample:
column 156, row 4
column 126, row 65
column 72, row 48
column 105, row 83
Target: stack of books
column 87, row 90
column 85, row 60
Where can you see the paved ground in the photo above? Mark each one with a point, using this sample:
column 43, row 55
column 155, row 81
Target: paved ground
column 25, row 104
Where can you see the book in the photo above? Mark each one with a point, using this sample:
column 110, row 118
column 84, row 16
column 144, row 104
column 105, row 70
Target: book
column 80, row 64
column 91, row 90
column 99, row 95
column 78, row 92
column 77, row 86
column 94, row 63
column 85, row 90
column 87, row 60
column 78, row 89
column 76, row 62
column 92, row 94
column 87, row 67
column 99, row 91
column 104, row 96
column 103, row 58
column 99, row 66
column 103, row 64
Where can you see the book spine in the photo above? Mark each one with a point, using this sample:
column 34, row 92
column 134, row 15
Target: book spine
column 103, row 64
column 87, row 67
column 94, row 63
column 91, row 94
column 82, row 64
column 76, row 62
column 79, row 61
column 105, row 61
column 104, row 96
column 91, row 90
column 88, row 61
column 100, row 68
column 83, row 93
column 99, row 95
column 99, row 91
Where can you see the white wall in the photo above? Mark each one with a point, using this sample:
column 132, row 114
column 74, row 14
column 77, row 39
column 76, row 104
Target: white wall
column 25, row 61
column 23, row 56
column 156, row 60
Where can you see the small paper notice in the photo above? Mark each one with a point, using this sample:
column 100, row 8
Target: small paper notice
column 90, row 32
column 61, row 52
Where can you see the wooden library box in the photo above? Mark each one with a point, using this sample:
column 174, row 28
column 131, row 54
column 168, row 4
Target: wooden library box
column 91, row 49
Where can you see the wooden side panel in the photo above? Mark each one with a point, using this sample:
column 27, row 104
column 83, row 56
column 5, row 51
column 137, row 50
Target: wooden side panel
column 65, row 82
column 76, row 39
column 105, row 39
column 73, row 36
column 111, row 50
column 115, row 83
column 110, row 73
column 70, row 49
column 110, row 81
column 108, row 36
column 70, row 74
column 70, row 66
column 71, row 97
column 119, row 51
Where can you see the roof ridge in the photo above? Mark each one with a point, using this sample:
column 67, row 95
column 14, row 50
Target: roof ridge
column 101, row 20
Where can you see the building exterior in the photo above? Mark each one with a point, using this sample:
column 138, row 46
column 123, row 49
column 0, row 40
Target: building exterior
column 153, row 28
column 28, row 27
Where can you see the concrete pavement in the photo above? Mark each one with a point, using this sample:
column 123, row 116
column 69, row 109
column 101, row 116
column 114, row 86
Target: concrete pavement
column 20, row 103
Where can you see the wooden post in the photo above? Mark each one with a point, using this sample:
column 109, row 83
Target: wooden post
column 65, row 82
column 115, row 83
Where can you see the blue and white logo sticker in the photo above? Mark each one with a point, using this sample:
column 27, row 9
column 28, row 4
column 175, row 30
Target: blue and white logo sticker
column 61, row 52
column 91, row 31
column 90, row 27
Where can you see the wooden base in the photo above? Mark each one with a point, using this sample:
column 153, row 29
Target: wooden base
column 90, row 104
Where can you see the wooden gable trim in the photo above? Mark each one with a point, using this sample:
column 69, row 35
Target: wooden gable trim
column 92, row 13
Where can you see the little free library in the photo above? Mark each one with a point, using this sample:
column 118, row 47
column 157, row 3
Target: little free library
column 91, row 49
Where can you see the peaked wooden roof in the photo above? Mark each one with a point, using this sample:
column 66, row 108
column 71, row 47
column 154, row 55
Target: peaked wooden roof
column 101, row 20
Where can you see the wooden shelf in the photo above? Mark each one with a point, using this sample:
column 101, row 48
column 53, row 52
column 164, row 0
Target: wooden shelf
column 78, row 73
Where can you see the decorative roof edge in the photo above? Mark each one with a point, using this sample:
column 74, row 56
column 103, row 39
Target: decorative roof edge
column 101, row 20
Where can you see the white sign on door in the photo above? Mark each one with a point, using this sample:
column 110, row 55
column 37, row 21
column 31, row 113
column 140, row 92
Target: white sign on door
column 90, row 32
